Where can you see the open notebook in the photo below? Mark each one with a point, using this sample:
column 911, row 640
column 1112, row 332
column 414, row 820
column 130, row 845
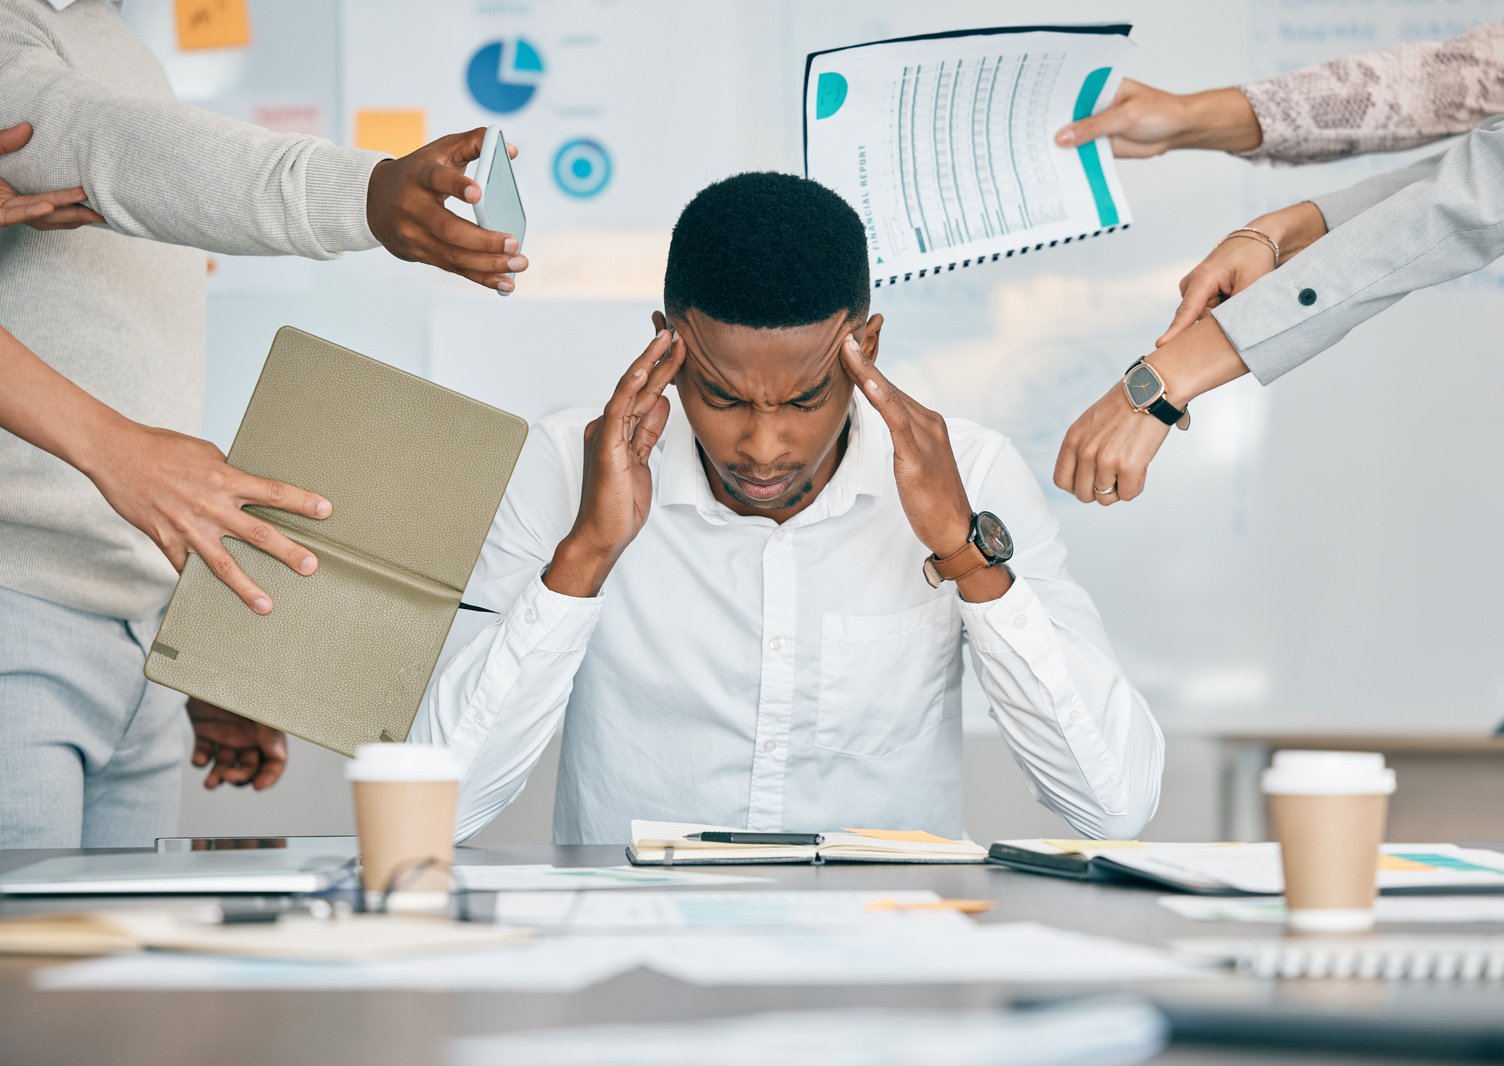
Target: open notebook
column 1226, row 869
column 667, row 843
column 415, row 473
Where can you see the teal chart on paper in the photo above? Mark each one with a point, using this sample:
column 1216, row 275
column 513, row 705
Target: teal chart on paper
column 944, row 143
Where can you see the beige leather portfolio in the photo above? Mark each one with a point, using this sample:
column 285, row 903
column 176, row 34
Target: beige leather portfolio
column 415, row 473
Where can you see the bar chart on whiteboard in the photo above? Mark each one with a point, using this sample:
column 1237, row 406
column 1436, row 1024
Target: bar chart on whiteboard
column 944, row 144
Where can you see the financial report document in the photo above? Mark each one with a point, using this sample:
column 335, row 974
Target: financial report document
column 944, row 143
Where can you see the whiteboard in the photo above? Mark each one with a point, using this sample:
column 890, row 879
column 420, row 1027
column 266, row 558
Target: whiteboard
column 1311, row 557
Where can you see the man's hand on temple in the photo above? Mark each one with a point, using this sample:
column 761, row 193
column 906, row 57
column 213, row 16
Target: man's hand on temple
column 243, row 752
column 924, row 466
column 405, row 210
column 618, row 487
column 58, row 209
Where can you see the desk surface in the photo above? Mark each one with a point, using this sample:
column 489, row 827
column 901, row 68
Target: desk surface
column 374, row 1028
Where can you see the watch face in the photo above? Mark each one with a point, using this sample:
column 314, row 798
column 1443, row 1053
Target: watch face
column 997, row 543
column 1143, row 385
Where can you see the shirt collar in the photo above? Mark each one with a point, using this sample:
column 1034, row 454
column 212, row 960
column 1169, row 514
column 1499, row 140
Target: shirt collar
column 58, row 5
column 865, row 470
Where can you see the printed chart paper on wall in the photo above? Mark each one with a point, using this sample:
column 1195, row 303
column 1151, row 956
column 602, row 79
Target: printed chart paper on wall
column 619, row 118
column 943, row 143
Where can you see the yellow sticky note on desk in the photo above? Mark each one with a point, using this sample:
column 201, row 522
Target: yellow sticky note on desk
column 912, row 836
column 212, row 24
column 395, row 132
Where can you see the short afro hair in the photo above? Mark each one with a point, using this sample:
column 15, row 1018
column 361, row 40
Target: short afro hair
column 769, row 251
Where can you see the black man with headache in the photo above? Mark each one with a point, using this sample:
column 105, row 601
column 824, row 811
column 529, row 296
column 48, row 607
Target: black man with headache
column 747, row 604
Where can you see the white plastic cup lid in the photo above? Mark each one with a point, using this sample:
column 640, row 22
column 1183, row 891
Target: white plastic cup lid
column 403, row 762
column 1328, row 773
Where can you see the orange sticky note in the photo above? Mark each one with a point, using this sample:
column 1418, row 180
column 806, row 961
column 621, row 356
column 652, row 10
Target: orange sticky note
column 212, row 24
column 394, row 132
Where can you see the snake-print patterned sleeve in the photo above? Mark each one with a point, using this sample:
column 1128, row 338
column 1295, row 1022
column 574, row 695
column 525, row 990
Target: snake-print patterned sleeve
column 1383, row 101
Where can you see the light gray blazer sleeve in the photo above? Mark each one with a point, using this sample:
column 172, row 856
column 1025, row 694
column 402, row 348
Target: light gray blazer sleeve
column 1441, row 226
column 174, row 173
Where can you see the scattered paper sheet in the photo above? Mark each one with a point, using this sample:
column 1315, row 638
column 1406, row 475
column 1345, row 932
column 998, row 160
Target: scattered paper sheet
column 1104, row 1032
column 685, row 909
column 1020, row 951
column 546, row 964
column 859, row 956
column 576, row 878
column 1444, row 909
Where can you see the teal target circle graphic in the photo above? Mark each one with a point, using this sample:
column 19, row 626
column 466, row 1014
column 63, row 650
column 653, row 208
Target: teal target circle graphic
column 582, row 167
column 503, row 75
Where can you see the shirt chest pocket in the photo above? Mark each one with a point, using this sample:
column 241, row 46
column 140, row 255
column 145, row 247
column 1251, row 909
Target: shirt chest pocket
column 883, row 677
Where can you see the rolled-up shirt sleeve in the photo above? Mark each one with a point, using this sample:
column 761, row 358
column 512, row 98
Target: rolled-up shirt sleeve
column 1081, row 732
column 1446, row 223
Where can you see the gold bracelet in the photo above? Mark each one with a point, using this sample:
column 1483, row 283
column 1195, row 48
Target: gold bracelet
column 1259, row 235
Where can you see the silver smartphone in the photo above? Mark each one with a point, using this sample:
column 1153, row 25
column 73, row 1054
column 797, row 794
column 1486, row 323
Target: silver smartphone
column 500, row 205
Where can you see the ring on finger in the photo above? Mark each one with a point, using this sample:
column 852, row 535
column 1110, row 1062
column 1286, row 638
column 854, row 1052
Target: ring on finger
column 1110, row 491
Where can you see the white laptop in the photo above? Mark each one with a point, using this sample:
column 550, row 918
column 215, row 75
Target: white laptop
column 195, row 872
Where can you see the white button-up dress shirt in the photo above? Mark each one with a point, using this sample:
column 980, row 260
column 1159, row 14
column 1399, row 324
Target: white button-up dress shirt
column 801, row 676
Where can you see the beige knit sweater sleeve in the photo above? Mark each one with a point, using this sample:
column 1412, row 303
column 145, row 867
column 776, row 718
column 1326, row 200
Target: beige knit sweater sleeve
column 165, row 170
column 1383, row 101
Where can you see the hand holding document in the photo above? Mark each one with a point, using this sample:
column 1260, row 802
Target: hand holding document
column 943, row 143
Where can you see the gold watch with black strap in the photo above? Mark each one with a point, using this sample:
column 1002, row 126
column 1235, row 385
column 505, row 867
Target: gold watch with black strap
column 988, row 544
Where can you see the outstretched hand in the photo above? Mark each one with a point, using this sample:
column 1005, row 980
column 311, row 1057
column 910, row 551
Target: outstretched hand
column 55, row 210
column 1143, row 121
column 406, row 212
column 1231, row 267
column 180, row 492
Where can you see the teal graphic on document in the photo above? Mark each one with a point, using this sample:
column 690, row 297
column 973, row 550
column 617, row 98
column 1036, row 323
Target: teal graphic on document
column 830, row 94
column 1091, row 161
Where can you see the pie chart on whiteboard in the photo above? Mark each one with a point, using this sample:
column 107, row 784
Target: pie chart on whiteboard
column 503, row 75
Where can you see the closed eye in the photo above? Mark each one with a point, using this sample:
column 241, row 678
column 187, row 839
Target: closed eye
column 809, row 400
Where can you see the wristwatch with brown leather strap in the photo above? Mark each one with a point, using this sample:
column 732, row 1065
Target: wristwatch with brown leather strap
column 989, row 544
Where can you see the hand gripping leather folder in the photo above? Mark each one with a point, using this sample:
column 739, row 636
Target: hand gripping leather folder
column 415, row 474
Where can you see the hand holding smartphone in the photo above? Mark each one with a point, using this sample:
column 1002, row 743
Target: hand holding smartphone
column 500, row 205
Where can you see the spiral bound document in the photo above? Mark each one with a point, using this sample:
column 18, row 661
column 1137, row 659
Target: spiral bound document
column 944, row 143
column 1375, row 958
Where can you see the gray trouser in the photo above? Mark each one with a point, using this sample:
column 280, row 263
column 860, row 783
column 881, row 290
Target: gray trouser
column 91, row 753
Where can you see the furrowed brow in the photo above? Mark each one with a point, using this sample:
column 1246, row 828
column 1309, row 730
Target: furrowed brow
column 810, row 394
column 716, row 391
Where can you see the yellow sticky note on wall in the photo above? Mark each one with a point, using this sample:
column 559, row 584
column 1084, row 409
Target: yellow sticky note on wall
column 395, row 132
column 212, row 24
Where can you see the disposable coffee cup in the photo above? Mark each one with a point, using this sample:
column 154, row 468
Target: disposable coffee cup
column 405, row 798
column 1327, row 810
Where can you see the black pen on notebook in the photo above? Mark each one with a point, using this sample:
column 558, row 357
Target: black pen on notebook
column 809, row 840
